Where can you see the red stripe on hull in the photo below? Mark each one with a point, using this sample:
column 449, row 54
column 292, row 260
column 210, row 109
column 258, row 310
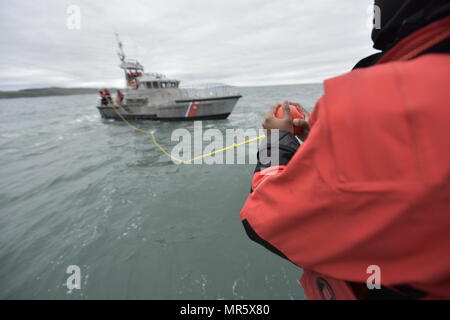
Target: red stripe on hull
column 194, row 107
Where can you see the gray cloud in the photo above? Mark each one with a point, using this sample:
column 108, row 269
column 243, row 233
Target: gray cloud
column 251, row 42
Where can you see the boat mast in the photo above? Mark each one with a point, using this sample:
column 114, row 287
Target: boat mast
column 120, row 53
column 122, row 56
column 132, row 68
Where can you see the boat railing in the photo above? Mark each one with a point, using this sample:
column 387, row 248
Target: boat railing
column 155, row 75
column 210, row 92
column 131, row 64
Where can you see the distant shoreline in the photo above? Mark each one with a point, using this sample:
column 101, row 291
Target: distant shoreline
column 47, row 92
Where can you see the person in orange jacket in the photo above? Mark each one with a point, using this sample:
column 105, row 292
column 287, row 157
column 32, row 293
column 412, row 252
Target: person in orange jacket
column 367, row 195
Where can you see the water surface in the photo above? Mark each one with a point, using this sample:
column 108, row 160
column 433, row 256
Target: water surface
column 79, row 190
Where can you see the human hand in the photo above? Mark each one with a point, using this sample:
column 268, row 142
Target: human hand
column 272, row 122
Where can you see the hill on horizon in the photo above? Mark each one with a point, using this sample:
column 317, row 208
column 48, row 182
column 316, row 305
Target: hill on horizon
column 47, row 92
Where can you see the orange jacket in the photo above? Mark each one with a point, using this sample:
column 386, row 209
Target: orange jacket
column 371, row 185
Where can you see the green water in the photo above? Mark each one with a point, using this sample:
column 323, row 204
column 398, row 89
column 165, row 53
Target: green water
column 79, row 190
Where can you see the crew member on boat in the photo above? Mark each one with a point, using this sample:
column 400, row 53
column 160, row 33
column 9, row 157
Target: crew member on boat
column 119, row 97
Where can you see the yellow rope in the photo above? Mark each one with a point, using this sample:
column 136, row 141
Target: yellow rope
column 233, row 146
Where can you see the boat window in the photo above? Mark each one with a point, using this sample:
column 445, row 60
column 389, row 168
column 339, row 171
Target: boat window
column 155, row 85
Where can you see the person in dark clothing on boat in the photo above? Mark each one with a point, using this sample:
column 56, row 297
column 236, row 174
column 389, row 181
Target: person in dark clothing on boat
column 369, row 188
column 108, row 96
column 103, row 98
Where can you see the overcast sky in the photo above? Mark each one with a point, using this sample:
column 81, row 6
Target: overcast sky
column 237, row 42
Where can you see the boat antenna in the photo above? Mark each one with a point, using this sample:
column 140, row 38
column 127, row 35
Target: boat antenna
column 120, row 53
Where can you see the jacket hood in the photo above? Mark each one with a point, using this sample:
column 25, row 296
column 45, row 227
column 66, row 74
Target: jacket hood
column 400, row 18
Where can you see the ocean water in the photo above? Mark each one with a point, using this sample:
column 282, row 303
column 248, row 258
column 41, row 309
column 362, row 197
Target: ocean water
column 79, row 190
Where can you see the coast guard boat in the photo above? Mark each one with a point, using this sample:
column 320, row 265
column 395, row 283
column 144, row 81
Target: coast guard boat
column 152, row 96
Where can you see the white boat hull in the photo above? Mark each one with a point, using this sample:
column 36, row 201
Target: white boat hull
column 180, row 110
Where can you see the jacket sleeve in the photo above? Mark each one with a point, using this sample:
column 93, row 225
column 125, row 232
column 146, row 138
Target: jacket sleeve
column 272, row 189
column 286, row 146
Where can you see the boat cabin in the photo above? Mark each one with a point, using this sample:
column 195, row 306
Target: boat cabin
column 137, row 79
